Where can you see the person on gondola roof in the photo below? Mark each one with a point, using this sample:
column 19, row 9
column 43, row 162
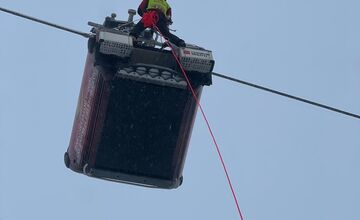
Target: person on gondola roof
column 157, row 12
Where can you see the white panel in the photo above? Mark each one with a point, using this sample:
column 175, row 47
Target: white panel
column 119, row 38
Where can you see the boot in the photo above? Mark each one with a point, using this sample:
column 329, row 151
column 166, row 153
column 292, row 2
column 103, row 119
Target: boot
column 181, row 43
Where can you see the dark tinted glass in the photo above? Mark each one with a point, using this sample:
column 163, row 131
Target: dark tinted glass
column 141, row 129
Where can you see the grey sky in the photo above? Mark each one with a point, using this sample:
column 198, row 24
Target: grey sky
column 287, row 160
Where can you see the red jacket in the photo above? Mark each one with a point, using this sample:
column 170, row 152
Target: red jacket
column 143, row 6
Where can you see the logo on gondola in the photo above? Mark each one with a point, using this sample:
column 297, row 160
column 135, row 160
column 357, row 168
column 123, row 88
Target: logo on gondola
column 197, row 54
column 200, row 54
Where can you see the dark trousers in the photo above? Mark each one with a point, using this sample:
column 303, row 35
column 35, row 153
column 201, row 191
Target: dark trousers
column 162, row 25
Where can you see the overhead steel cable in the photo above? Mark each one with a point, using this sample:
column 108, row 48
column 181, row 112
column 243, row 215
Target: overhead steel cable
column 86, row 35
column 288, row 95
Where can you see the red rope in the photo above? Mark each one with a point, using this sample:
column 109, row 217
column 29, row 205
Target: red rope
column 207, row 124
column 150, row 18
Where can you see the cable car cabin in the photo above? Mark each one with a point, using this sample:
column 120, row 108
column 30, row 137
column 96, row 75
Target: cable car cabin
column 135, row 111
